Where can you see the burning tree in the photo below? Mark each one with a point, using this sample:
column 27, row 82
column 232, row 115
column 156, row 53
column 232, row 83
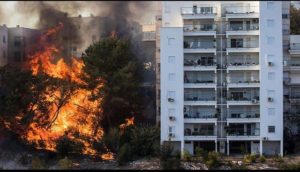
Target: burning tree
column 56, row 105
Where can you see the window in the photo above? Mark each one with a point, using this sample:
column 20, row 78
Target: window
column 271, row 75
column 17, row 42
column 236, row 43
column 270, row 5
column 171, row 129
column 270, row 40
column 171, row 76
column 285, row 16
column 4, row 39
column 271, row 111
column 17, row 56
column 171, row 59
column 271, row 129
column 171, row 41
column 270, row 23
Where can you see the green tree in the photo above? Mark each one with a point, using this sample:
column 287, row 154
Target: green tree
column 110, row 62
column 295, row 20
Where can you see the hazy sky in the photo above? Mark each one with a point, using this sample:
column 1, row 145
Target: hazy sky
column 26, row 14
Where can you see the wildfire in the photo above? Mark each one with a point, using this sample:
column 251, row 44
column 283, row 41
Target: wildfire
column 75, row 114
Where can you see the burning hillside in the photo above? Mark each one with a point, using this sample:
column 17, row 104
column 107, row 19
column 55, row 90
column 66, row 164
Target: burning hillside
column 69, row 113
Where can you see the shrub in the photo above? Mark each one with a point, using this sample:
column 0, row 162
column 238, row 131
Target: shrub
column 278, row 158
column 66, row 146
column 290, row 166
column 124, row 154
column 166, row 151
column 38, row 163
column 262, row 159
column 169, row 161
column 65, row 163
column 213, row 159
column 187, row 156
column 112, row 139
column 199, row 152
column 249, row 158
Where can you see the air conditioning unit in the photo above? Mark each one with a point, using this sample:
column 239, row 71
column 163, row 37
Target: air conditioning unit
column 171, row 100
column 270, row 63
column 171, row 135
column 265, row 138
column 270, row 99
column 254, row 101
column 172, row 118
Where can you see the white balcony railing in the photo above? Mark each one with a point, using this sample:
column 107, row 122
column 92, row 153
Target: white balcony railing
column 235, row 10
column 199, row 28
column 198, row 10
column 241, row 27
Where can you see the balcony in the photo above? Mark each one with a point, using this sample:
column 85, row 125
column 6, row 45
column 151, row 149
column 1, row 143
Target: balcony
column 201, row 29
column 200, row 132
column 242, row 12
column 241, row 29
column 200, row 117
column 198, row 12
column 204, row 46
column 201, row 84
column 198, row 101
column 199, row 65
column 293, row 64
column 241, row 131
column 242, row 66
column 243, row 84
column 240, row 46
column 243, row 117
column 254, row 100
column 294, row 97
column 294, row 48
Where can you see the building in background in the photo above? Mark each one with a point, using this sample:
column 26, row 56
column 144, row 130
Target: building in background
column 3, row 45
column 222, row 76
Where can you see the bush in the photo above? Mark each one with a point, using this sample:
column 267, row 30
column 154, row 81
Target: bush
column 66, row 146
column 262, row 159
column 145, row 141
column 290, row 166
column 213, row 159
column 187, row 156
column 278, row 158
column 166, row 151
column 201, row 153
column 65, row 163
column 112, row 139
column 169, row 161
column 125, row 154
column 249, row 158
column 38, row 163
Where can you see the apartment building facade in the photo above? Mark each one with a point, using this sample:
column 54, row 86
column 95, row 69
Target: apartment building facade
column 3, row 45
column 221, row 76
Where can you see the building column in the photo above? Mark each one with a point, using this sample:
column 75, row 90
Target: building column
column 227, row 147
column 216, row 145
column 182, row 148
column 260, row 147
column 281, row 148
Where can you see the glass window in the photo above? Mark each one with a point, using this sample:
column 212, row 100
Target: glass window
column 271, row 111
column 271, row 129
column 4, row 39
column 17, row 41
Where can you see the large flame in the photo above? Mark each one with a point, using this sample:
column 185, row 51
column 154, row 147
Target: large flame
column 75, row 114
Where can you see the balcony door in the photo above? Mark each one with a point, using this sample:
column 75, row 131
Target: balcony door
column 236, row 43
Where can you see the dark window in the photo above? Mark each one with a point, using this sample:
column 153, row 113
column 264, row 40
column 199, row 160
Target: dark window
column 17, row 42
column 285, row 16
column 17, row 56
column 236, row 43
column 271, row 129
column 4, row 39
column 187, row 142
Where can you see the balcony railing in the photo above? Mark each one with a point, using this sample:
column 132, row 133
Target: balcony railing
column 242, row 98
column 243, row 44
column 242, row 9
column 242, row 82
column 199, row 133
column 243, row 64
column 234, row 132
column 199, row 44
column 202, row 115
column 241, row 27
column 295, row 46
column 199, row 81
column 201, row 27
column 199, row 98
column 245, row 114
column 198, row 10
column 199, row 63
column 293, row 62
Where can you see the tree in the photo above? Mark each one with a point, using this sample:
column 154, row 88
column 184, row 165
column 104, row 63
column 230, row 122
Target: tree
column 295, row 20
column 110, row 62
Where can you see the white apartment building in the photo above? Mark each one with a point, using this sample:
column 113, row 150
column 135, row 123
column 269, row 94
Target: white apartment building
column 3, row 45
column 221, row 75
